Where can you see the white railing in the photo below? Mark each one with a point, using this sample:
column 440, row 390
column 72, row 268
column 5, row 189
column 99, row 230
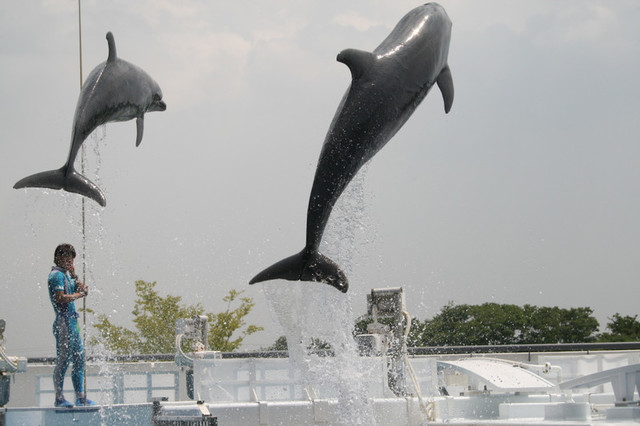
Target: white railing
column 107, row 383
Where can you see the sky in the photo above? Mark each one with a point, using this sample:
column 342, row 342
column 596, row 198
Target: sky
column 527, row 192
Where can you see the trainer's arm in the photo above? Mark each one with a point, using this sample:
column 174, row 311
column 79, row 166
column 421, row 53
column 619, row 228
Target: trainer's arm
column 60, row 297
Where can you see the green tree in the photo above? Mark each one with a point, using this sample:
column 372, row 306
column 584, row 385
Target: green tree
column 557, row 325
column 363, row 322
column 223, row 325
column 155, row 319
column 457, row 325
column 622, row 329
column 119, row 340
column 281, row 344
column 503, row 324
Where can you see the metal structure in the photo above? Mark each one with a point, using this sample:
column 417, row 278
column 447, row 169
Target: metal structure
column 200, row 416
column 389, row 340
column 8, row 365
column 196, row 329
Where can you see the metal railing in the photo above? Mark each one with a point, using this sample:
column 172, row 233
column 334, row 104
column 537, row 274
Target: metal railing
column 119, row 387
column 543, row 347
column 425, row 350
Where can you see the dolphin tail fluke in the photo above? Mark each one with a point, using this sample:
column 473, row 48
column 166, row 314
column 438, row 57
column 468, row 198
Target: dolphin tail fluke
column 60, row 179
column 287, row 269
column 79, row 184
column 322, row 269
column 445, row 83
column 306, row 266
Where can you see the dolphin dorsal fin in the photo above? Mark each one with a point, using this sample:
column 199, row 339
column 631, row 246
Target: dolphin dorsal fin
column 358, row 61
column 112, row 47
column 445, row 83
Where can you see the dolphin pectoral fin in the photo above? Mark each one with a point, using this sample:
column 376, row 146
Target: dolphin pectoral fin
column 445, row 83
column 305, row 266
column 358, row 61
column 139, row 129
column 70, row 182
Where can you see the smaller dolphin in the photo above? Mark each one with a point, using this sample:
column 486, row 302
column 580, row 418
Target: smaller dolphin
column 387, row 85
column 116, row 90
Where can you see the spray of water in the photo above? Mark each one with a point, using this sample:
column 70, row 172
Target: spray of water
column 95, row 233
column 101, row 387
column 311, row 312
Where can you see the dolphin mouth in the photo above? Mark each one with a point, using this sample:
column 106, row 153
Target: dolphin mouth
column 159, row 106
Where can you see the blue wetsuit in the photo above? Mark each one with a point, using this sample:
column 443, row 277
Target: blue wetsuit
column 69, row 346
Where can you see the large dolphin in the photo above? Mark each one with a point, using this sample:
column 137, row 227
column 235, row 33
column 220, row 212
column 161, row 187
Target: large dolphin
column 116, row 90
column 387, row 85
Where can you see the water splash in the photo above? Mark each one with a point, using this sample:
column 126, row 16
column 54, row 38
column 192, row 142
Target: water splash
column 311, row 312
column 95, row 235
column 349, row 232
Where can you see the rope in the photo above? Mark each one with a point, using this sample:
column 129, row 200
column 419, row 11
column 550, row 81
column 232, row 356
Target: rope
column 428, row 408
column 84, row 234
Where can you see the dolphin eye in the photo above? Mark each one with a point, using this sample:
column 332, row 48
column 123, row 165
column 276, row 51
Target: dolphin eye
column 157, row 97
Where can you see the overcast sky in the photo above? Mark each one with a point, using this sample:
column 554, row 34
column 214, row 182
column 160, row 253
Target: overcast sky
column 527, row 192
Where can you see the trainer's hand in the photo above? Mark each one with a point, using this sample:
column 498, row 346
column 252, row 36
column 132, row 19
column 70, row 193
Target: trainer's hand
column 83, row 288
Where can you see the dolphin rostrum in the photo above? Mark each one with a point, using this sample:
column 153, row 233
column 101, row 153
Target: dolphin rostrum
column 116, row 90
column 387, row 85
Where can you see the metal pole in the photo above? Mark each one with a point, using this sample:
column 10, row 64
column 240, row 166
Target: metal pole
column 84, row 234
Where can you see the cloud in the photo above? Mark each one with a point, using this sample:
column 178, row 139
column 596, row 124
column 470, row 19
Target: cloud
column 354, row 20
column 584, row 24
column 213, row 55
column 282, row 26
column 201, row 64
column 591, row 26
column 527, row 188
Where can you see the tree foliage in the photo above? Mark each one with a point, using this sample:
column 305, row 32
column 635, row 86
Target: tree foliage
column 279, row 345
column 155, row 319
column 504, row 324
column 223, row 325
column 557, row 325
column 314, row 343
column 622, row 329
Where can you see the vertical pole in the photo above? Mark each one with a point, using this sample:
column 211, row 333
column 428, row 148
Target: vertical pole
column 84, row 234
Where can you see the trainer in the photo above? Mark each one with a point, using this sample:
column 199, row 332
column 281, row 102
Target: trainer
column 64, row 289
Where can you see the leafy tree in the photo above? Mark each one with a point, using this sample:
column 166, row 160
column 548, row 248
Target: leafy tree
column 155, row 318
column 281, row 344
column 155, row 321
column 556, row 325
column 223, row 325
column 456, row 325
column 362, row 324
column 622, row 329
column 118, row 339
column 503, row 324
